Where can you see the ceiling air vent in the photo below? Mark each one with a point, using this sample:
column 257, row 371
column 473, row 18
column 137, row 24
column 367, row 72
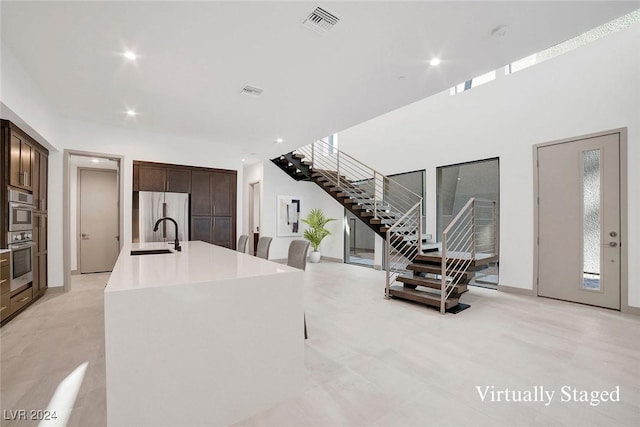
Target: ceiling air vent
column 253, row 91
column 320, row 20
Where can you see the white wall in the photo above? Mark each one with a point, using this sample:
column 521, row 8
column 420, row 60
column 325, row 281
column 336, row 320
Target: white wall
column 277, row 183
column 592, row 89
column 24, row 103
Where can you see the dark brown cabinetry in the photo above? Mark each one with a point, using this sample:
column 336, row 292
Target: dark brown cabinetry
column 39, row 173
column 5, row 301
column 160, row 177
column 152, row 178
column 178, row 180
column 213, row 207
column 20, row 157
column 23, row 165
column 212, row 196
column 39, row 254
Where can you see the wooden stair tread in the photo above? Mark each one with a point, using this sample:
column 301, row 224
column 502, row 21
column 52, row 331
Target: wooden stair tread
column 430, row 283
column 422, row 297
column 432, row 269
column 436, row 257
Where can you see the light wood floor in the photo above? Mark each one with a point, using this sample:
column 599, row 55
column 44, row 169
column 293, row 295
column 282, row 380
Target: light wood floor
column 370, row 361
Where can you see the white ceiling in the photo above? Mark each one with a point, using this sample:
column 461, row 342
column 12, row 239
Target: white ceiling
column 195, row 58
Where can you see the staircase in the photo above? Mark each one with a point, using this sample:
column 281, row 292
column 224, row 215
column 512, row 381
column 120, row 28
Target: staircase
column 395, row 213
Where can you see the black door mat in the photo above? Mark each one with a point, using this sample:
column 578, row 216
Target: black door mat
column 458, row 308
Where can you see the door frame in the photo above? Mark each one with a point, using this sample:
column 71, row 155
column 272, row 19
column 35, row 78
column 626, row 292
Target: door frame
column 624, row 267
column 66, row 207
column 79, row 212
column 251, row 213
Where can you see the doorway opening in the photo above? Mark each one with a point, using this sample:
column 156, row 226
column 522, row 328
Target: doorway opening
column 92, row 212
column 359, row 241
column 255, row 208
column 456, row 184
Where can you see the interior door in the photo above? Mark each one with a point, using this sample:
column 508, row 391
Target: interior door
column 579, row 221
column 99, row 240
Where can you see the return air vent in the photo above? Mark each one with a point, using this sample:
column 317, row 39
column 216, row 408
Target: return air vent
column 320, row 20
column 253, row 91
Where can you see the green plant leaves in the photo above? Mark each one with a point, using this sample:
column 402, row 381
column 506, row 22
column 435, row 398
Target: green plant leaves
column 316, row 221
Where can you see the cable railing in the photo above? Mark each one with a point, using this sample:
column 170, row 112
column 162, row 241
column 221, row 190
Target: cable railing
column 396, row 208
column 470, row 235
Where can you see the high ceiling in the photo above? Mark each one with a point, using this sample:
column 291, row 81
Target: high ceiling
column 194, row 58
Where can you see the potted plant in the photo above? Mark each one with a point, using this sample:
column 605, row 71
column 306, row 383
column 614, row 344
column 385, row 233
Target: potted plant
column 316, row 231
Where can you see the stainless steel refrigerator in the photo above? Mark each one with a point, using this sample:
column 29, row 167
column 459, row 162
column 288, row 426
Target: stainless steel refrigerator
column 155, row 205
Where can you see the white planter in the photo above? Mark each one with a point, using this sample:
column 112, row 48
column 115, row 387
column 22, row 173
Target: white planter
column 314, row 256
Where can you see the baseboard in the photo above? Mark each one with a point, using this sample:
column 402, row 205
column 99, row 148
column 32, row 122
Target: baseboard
column 377, row 267
column 327, row 258
column 55, row 290
column 631, row 310
column 75, row 272
column 514, row 290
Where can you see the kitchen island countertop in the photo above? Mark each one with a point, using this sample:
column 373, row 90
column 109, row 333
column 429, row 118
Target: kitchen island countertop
column 198, row 262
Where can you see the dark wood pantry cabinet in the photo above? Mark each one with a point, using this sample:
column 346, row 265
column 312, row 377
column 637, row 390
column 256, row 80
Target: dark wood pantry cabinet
column 212, row 194
column 24, row 167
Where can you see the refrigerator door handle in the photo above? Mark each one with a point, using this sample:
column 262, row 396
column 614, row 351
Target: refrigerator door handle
column 164, row 223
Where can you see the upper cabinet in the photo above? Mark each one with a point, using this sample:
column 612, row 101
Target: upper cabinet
column 178, row 180
column 158, row 177
column 152, row 178
column 20, row 158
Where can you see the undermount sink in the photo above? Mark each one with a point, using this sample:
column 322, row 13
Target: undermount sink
column 150, row 251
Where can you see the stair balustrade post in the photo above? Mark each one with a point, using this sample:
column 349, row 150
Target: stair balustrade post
column 494, row 224
column 473, row 232
column 387, row 261
column 375, row 203
column 420, row 229
column 443, row 275
column 313, row 152
column 338, row 166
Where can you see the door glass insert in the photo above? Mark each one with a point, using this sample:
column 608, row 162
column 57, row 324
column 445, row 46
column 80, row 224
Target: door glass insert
column 591, row 240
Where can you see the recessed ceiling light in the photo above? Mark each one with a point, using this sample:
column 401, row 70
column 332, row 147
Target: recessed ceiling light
column 95, row 160
column 131, row 113
column 243, row 160
column 279, row 141
column 130, row 55
column 434, row 62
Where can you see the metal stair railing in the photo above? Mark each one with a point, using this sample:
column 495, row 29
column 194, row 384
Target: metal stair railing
column 394, row 205
column 408, row 229
column 472, row 232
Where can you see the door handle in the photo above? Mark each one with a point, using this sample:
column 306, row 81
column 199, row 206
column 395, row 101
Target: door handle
column 612, row 244
column 85, row 236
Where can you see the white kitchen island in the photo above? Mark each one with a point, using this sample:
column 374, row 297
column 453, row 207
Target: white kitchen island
column 203, row 337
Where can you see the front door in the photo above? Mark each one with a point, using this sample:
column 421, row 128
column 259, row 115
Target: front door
column 579, row 221
column 99, row 241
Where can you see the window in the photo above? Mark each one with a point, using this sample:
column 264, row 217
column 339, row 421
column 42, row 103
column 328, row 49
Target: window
column 576, row 42
column 474, row 82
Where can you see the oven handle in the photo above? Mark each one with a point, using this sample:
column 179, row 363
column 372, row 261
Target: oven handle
column 17, row 246
column 21, row 206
